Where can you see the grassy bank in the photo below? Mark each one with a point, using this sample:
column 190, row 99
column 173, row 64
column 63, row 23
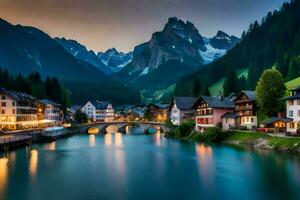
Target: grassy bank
column 244, row 138
column 262, row 141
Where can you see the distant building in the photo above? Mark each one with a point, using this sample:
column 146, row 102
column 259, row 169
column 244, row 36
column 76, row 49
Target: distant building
column 71, row 112
column 158, row 112
column 182, row 108
column 210, row 111
column 99, row 111
column 17, row 111
column 49, row 110
column 293, row 110
column 246, row 109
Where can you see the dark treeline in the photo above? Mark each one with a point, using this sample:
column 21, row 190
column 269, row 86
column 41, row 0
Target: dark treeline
column 34, row 85
column 275, row 41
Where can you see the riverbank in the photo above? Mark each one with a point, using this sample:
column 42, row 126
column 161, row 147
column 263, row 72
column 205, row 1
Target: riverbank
column 262, row 141
column 254, row 140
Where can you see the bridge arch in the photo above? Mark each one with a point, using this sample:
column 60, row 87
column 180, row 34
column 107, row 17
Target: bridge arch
column 101, row 127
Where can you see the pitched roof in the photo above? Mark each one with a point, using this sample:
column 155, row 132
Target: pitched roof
column 100, row 105
column 230, row 115
column 276, row 119
column 250, row 94
column 218, row 102
column 48, row 101
column 297, row 96
column 74, row 108
column 160, row 105
column 18, row 96
column 185, row 103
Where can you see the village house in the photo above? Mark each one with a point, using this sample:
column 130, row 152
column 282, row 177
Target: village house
column 182, row 108
column 293, row 110
column 71, row 112
column 246, row 109
column 157, row 112
column 49, row 110
column 18, row 111
column 210, row 111
column 99, row 111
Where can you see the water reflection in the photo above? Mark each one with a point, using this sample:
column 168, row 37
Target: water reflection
column 108, row 139
column 157, row 139
column 113, row 139
column 3, row 175
column 92, row 140
column 118, row 139
column 51, row 146
column 33, row 161
column 206, row 166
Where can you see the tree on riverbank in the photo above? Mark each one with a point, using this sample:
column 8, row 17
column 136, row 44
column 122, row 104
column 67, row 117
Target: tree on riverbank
column 270, row 88
column 80, row 117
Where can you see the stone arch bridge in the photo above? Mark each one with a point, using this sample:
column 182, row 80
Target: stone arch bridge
column 121, row 126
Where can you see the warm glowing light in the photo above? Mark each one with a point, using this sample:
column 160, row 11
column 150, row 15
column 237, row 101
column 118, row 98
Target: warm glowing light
column 118, row 139
column 93, row 130
column 92, row 140
column 51, row 146
column 108, row 139
column 33, row 162
column 3, row 175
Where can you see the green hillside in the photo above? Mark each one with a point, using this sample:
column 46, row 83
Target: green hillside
column 217, row 87
column 275, row 41
column 293, row 83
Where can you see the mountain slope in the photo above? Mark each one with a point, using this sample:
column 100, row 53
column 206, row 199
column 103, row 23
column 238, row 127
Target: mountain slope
column 178, row 50
column 114, row 59
column 80, row 52
column 27, row 49
column 276, row 41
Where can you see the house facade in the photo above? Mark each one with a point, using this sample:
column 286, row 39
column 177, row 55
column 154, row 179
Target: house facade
column 49, row 110
column 18, row 111
column 157, row 112
column 293, row 110
column 246, row 109
column 99, row 111
column 210, row 111
column 182, row 108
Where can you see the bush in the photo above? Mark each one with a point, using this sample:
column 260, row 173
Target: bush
column 211, row 134
column 185, row 128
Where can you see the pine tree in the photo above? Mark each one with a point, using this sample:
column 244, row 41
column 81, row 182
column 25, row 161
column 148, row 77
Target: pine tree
column 231, row 83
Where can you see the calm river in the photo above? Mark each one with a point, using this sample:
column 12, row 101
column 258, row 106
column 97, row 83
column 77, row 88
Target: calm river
column 141, row 167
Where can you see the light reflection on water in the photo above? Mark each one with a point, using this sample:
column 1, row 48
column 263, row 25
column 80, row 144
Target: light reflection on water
column 144, row 167
column 33, row 162
column 92, row 140
column 3, row 175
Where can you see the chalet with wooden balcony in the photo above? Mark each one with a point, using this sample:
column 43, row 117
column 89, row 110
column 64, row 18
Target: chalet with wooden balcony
column 293, row 110
column 246, row 109
column 210, row 111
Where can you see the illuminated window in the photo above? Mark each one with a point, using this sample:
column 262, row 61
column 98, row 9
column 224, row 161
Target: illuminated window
column 13, row 111
column 3, row 112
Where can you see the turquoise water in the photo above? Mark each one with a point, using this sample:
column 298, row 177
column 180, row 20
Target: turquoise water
column 137, row 166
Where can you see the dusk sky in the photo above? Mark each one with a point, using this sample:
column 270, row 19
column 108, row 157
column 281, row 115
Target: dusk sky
column 102, row 24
